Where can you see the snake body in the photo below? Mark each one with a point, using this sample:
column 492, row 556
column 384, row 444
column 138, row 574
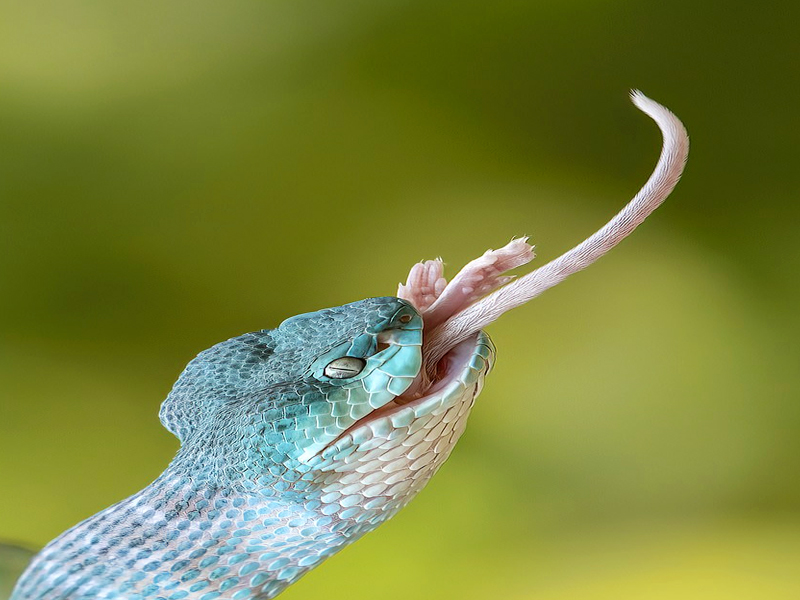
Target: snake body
column 298, row 440
column 240, row 513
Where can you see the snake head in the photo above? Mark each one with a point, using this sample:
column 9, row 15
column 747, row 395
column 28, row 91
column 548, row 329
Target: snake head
column 270, row 400
column 315, row 411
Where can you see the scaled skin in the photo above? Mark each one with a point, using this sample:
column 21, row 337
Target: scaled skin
column 273, row 474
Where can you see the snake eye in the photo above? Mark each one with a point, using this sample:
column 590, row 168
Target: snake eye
column 344, row 367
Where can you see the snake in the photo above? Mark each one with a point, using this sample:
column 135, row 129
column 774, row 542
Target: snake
column 298, row 440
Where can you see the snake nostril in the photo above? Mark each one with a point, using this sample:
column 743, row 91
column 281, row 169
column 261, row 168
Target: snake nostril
column 405, row 319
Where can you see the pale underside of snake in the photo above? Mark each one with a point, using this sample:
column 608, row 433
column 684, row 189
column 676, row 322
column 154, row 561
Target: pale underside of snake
column 296, row 441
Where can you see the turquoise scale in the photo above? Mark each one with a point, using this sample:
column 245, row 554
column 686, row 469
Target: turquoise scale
column 267, row 484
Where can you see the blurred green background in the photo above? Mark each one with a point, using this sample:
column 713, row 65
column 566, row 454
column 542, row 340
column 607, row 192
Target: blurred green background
column 173, row 174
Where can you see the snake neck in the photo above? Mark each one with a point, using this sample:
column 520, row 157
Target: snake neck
column 185, row 537
column 243, row 524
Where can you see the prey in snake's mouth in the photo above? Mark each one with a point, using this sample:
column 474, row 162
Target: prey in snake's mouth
column 452, row 367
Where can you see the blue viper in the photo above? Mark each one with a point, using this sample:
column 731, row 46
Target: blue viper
column 296, row 441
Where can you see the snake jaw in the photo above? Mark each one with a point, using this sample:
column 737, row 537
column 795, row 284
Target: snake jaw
column 383, row 460
column 470, row 360
column 388, row 373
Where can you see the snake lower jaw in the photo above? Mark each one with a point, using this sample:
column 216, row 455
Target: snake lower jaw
column 462, row 368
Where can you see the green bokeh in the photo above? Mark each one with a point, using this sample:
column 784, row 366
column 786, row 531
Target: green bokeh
column 173, row 174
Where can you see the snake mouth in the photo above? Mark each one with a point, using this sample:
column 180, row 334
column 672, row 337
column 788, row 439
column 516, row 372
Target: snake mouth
column 460, row 370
